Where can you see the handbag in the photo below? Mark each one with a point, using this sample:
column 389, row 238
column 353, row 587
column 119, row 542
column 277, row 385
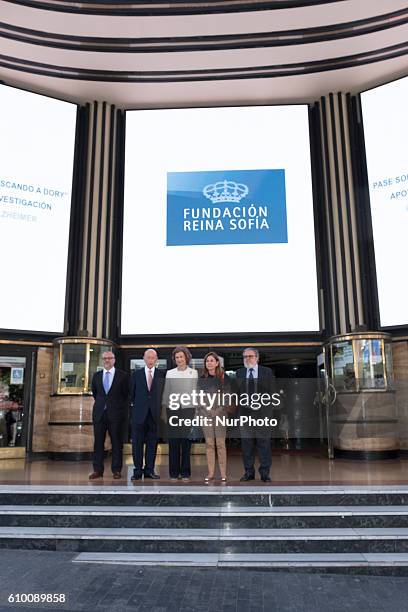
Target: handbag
column 196, row 433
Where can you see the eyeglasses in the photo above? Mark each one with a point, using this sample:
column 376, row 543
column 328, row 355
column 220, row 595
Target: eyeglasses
column 107, row 358
column 249, row 356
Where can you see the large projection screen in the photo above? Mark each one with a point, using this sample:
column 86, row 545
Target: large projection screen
column 218, row 222
column 386, row 137
column 36, row 163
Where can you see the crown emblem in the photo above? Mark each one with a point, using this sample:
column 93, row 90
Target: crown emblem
column 225, row 191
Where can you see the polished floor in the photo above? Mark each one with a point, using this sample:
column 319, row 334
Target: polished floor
column 288, row 468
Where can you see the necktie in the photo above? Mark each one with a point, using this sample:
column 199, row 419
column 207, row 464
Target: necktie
column 251, row 381
column 149, row 379
column 106, row 382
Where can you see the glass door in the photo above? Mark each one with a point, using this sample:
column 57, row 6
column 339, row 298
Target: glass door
column 15, row 387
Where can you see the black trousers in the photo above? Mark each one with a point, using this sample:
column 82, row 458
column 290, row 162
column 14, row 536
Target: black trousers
column 179, row 457
column 263, row 446
column 115, row 430
column 144, row 434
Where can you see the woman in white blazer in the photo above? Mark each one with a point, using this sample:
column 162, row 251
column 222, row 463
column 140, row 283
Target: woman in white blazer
column 181, row 379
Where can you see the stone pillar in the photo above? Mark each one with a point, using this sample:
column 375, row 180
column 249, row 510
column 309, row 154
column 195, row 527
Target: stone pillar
column 400, row 360
column 43, row 390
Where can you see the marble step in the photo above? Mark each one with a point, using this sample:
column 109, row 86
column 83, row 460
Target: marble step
column 278, row 541
column 204, row 517
column 365, row 562
column 192, row 495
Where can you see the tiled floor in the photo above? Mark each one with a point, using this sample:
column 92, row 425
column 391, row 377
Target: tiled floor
column 308, row 468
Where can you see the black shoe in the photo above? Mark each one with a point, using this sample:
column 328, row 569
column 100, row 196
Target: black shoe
column 266, row 478
column 136, row 476
column 247, row 476
column 152, row 475
column 95, row 475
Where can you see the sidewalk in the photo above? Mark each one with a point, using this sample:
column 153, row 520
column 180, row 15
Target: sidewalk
column 117, row 588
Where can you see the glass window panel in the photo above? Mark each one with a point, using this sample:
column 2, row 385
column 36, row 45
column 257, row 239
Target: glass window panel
column 371, row 366
column 73, row 368
column 343, row 366
column 136, row 364
column 55, row 379
column 10, row 362
column 198, row 364
column 12, row 379
column 389, row 364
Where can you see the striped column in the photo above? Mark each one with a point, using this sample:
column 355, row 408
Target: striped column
column 95, row 237
column 342, row 291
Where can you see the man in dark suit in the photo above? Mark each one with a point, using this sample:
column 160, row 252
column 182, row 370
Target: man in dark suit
column 254, row 378
column 146, row 391
column 110, row 389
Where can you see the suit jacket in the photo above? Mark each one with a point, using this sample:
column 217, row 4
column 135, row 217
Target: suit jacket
column 265, row 383
column 265, row 375
column 145, row 401
column 116, row 400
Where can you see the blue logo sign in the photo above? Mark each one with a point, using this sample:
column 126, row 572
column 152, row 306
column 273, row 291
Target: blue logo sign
column 226, row 207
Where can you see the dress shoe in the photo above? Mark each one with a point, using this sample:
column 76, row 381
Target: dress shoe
column 247, row 477
column 117, row 475
column 266, row 478
column 152, row 475
column 136, row 476
column 95, row 475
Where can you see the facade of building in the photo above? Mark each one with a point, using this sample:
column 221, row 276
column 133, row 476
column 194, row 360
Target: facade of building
column 115, row 57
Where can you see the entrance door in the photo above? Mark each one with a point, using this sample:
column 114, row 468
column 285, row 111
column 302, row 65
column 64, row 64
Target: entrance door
column 15, row 370
column 299, row 419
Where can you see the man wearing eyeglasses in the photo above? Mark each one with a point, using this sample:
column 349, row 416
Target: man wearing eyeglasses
column 254, row 378
column 110, row 389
